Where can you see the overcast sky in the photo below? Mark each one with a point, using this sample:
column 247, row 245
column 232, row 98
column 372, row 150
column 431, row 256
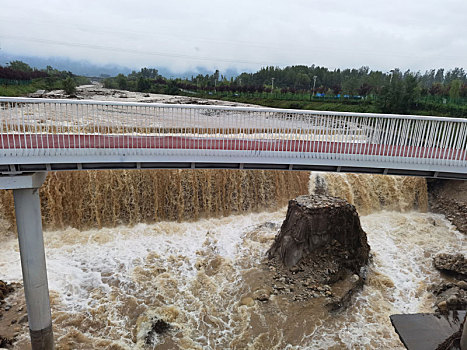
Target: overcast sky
column 241, row 34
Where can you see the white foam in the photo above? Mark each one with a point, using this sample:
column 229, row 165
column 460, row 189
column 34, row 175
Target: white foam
column 99, row 268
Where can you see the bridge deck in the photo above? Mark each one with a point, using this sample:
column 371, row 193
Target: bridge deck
column 41, row 135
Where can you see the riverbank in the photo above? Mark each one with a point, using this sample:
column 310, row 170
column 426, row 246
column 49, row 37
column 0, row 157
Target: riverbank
column 13, row 316
column 99, row 93
column 449, row 197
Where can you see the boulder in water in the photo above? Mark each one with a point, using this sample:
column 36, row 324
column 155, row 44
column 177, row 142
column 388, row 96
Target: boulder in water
column 319, row 251
column 317, row 224
column 159, row 327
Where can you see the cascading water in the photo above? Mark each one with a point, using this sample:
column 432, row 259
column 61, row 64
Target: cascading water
column 371, row 193
column 92, row 199
column 109, row 285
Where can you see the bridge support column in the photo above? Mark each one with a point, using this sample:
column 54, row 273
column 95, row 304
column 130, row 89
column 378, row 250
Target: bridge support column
column 31, row 243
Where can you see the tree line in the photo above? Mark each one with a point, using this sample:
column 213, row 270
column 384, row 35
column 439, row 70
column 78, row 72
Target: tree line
column 20, row 73
column 394, row 91
column 361, row 82
column 17, row 70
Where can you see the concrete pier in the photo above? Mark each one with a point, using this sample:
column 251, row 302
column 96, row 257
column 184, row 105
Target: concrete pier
column 31, row 243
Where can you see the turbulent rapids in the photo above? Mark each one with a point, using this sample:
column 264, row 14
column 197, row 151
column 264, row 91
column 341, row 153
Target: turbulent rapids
column 126, row 249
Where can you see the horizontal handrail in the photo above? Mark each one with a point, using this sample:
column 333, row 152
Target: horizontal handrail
column 224, row 108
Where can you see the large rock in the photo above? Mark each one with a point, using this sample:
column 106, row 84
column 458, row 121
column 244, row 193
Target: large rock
column 455, row 264
column 429, row 331
column 5, row 289
column 317, row 225
column 449, row 197
column 450, row 295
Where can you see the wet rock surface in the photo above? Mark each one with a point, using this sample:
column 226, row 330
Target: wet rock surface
column 5, row 289
column 317, row 224
column 429, row 331
column 13, row 317
column 319, row 251
column 449, row 197
column 451, row 294
column 158, row 327
column 454, row 264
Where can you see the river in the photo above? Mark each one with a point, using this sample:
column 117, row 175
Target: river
column 127, row 248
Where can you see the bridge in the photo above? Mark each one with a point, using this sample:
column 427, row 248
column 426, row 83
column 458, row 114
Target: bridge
column 40, row 135
column 47, row 134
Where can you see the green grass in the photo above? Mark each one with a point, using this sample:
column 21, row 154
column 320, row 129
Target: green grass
column 38, row 84
column 22, row 90
column 422, row 108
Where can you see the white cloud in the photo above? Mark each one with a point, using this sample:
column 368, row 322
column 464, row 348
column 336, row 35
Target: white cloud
column 184, row 34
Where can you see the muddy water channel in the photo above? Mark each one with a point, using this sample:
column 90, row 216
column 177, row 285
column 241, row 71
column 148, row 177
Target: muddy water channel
column 110, row 286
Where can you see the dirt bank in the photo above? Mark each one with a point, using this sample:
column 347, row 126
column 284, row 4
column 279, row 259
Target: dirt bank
column 13, row 317
column 449, row 197
column 97, row 92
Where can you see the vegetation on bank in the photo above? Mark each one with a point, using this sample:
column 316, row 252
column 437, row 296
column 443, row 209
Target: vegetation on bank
column 435, row 92
column 421, row 107
column 358, row 90
column 19, row 79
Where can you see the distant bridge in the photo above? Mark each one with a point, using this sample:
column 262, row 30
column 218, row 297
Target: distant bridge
column 48, row 134
column 40, row 135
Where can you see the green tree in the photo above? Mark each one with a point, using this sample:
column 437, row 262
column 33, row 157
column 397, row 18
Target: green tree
column 303, row 81
column 455, row 89
column 108, row 83
column 392, row 95
column 350, row 85
column 69, row 86
column 411, row 92
column 20, row 65
column 171, row 88
column 149, row 73
column 122, row 82
column 439, row 76
column 143, row 84
column 400, row 94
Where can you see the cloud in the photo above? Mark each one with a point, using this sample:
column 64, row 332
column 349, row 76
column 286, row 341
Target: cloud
column 185, row 34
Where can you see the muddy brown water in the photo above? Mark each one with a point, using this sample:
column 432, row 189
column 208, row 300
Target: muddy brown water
column 127, row 248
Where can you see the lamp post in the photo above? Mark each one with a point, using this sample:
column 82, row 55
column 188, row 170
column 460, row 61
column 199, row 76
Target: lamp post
column 314, row 84
column 392, row 74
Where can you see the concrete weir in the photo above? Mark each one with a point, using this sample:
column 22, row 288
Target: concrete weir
column 31, row 243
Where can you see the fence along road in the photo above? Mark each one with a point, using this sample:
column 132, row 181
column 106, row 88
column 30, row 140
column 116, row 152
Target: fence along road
column 49, row 134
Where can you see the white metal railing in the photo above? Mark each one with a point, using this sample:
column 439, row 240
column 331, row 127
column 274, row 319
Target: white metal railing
column 35, row 130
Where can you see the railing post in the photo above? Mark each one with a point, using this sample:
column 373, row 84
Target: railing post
column 31, row 244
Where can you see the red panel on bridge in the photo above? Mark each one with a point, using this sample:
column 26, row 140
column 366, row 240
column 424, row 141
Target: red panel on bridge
column 65, row 141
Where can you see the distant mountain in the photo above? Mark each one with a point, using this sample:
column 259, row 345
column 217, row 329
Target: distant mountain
column 89, row 69
column 77, row 67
